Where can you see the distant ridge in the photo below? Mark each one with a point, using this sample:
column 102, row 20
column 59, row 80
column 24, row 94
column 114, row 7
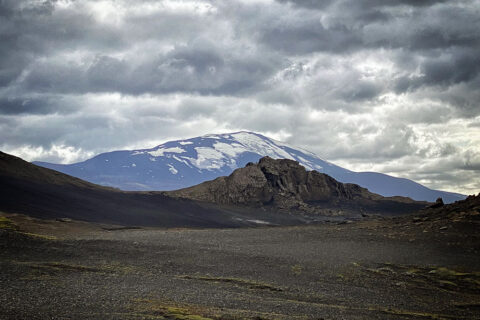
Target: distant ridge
column 184, row 163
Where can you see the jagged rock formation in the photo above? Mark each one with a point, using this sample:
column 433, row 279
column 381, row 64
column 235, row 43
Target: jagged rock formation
column 458, row 218
column 438, row 203
column 286, row 185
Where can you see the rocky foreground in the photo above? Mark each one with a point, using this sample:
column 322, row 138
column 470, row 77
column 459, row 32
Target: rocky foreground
column 425, row 266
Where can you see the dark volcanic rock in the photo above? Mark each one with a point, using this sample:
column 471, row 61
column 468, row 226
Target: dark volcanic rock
column 284, row 184
column 438, row 204
column 468, row 209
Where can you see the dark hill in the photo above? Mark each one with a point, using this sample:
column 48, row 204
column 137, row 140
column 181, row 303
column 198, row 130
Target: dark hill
column 264, row 193
column 43, row 193
column 286, row 186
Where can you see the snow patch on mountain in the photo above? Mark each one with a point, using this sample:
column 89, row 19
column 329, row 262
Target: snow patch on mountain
column 172, row 169
column 261, row 146
column 231, row 150
column 212, row 136
column 208, row 158
column 184, row 161
column 161, row 151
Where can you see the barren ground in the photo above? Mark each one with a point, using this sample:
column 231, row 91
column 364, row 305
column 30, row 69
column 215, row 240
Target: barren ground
column 385, row 269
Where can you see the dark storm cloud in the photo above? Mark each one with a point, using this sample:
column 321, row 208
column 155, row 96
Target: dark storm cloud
column 448, row 69
column 30, row 30
column 360, row 91
column 320, row 4
column 310, row 36
column 195, row 65
column 198, row 67
column 311, row 4
column 386, row 82
column 30, row 106
column 356, row 25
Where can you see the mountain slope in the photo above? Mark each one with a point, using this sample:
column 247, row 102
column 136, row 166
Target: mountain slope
column 183, row 163
column 43, row 193
column 285, row 185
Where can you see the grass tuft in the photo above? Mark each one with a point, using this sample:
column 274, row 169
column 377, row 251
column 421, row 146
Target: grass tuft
column 170, row 310
column 297, row 269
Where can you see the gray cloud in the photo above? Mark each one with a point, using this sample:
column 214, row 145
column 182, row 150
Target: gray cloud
column 32, row 106
column 375, row 85
column 321, row 4
column 197, row 67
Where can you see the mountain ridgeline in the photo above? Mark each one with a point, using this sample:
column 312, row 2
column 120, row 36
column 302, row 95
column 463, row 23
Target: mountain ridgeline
column 184, row 163
column 271, row 192
column 285, row 185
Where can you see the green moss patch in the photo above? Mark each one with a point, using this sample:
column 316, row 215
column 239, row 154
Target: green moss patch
column 7, row 224
column 440, row 277
column 147, row 308
column 166, row 310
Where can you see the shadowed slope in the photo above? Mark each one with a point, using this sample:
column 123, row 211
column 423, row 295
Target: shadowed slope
column 39, row 192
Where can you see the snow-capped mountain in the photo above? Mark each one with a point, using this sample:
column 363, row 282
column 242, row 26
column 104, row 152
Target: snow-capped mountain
column 183, row 163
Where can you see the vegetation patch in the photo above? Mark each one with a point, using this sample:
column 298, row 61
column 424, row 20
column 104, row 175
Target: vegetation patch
column 7, row 224
column 410, row 314
column 161, row 309
column 235, row 281
column 297, row 269
column 38, row 236
column 381, row 270
column 180, row 314
column 165, row 310
column 59, row 266
column 441, row 277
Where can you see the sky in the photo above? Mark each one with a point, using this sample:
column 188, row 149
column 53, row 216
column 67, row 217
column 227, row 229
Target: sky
column 389, row 86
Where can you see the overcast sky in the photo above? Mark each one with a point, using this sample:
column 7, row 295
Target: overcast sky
column 374, row 85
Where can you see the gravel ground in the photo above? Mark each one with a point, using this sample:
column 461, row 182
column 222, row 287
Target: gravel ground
column 387, row 269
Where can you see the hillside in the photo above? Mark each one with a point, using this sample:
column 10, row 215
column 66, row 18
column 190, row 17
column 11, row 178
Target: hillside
column 462, row 216
column 43, row 193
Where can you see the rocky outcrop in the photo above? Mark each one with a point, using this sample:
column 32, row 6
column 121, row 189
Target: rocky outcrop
column 283, row 184
column 461, row 217
column 438, row 204
column 459, row 210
